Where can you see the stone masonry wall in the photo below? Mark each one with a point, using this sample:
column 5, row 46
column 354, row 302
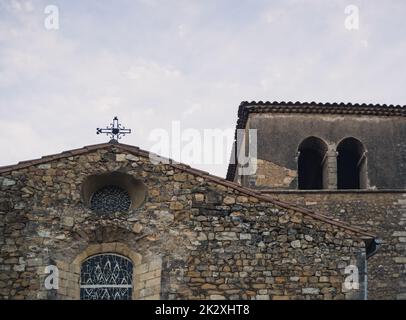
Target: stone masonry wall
column 280, row 135
column 192, row 238
column 384, row 214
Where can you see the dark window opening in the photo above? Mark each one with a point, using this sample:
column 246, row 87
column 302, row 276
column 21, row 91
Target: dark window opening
column 312, row 166
column 351, row 164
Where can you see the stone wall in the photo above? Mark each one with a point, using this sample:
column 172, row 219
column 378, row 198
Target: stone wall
column 384, row 214
column 279, row 137
column 193, row 237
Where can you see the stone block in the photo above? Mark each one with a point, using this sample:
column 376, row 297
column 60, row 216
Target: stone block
column 153, row 282
column 295, row 244
column 68, row 221
column 226, row 236
column 311, row 291
column 229, row 200
column 120, row 157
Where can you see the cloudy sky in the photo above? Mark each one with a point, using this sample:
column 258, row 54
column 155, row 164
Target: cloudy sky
column 153, row 62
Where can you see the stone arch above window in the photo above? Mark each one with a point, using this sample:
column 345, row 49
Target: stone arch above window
column 112, row 192
column 351, row 164
column 312, row 164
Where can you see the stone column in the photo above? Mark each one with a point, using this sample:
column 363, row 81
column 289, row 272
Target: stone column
column 330, row 170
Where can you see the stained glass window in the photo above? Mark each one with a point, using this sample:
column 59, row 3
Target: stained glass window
column 106, row 277
column 110, row 199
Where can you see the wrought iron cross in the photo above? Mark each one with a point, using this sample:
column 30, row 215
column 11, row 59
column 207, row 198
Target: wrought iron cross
column 114, row 131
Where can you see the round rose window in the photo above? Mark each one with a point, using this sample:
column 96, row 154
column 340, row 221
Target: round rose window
column 110, row 199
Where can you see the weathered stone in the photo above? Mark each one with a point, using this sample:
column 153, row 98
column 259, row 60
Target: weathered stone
column 44, row 233
column 137, row 227
column 8, row 182
column 297, row 218
column 120, row 157
column 280, row 297
column 19, row 267
column 284, row 218
column 181, row 177
column 245, row 236
column 308, row 238
column 399, row 234
column 34, row 262
column 208, row 286
column 176, row 205
column 199, row 197
column 295, row 244
column 202, row 237
column 226, row 236
column 242, row 199
column 68, row 221
column 401, row 260
column 19, row 206
column 229, row 200
column 310, row 291
column 131, row 157
column 44, row 166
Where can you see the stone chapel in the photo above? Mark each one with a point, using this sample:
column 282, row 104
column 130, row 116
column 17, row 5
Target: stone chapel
column 327, row 200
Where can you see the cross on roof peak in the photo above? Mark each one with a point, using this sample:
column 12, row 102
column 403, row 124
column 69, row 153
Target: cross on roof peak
column 115, row 131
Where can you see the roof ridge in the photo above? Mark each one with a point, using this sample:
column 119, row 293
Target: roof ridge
column 326, row 104
column 56, row 156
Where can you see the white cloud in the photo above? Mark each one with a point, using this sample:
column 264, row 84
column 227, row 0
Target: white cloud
column 20, row 6
column 27, row 144
column 148, row 70
column 150, row 62
column 192, row 110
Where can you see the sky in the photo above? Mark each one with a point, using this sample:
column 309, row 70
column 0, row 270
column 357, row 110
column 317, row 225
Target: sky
column 184, row 64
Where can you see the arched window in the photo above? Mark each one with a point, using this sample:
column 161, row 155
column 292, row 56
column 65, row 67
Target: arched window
column 351, row 164
column 312, row 164
column 106, row 277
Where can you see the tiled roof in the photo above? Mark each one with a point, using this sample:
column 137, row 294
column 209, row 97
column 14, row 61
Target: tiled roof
column 247, row 108
column 321, row 108
column 45, row 159
column 366, row 236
